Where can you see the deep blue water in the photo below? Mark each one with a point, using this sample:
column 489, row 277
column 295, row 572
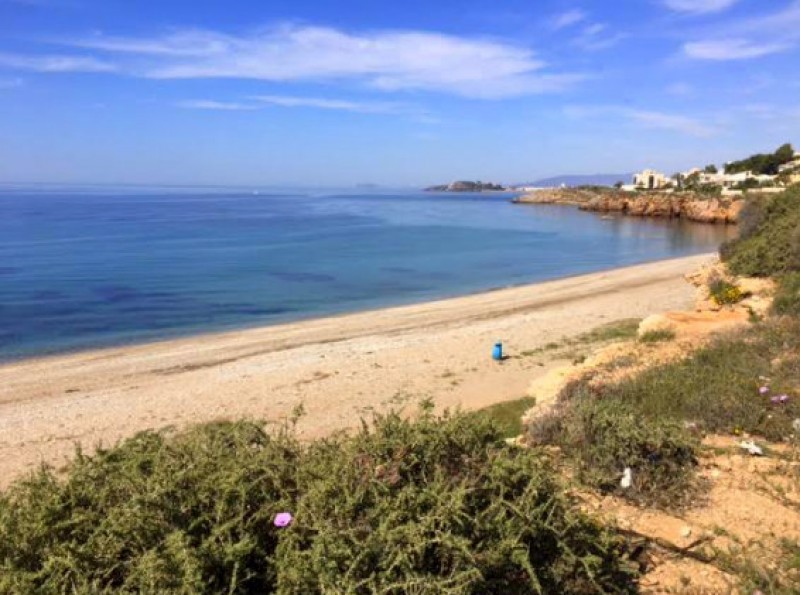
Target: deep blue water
column 97, row 267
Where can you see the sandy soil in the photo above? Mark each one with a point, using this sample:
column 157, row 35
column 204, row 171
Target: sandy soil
column 341, row 368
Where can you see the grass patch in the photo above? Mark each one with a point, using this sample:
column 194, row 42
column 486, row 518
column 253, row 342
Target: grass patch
column 603, row 437
column 619, row 330
column 433, row 505
column 507, row 416
column 769, row 245
column 657, row 336
column 718, row 386
column 641, row 422
column 787, row 296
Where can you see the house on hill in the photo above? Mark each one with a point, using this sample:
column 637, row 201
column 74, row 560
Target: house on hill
column 650, row 179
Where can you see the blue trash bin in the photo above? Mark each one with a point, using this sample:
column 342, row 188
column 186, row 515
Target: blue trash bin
column 497, row 352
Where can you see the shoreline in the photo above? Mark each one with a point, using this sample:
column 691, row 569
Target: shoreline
column 178, row 335
column 340, row 368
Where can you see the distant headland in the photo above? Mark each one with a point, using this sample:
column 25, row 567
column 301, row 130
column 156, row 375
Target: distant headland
column 464, row 186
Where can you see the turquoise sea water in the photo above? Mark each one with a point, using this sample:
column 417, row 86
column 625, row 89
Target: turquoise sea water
column 93, row 267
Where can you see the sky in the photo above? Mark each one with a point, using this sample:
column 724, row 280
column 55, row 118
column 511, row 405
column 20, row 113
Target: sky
column 317, row 92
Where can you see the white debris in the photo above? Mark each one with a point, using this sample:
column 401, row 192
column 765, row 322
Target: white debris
column 627, row 478
column 751, row 447
column 796, row 425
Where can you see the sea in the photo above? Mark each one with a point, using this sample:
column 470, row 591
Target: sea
column 87, row 267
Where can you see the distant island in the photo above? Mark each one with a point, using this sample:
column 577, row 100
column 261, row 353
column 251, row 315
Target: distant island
column 462, row 186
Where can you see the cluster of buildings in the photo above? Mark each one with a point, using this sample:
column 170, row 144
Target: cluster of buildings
column 731, row 183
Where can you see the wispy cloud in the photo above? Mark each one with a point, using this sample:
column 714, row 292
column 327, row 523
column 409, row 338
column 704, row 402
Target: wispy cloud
column 260, row 102
column 390, row 61
column 671, row 122
column 730, row 49
column 208, row 104
column 751, row 37
column 569, row 18
column 644, row 118
column 363, row 107
column 55, row 63
column 699, row 6
column 596, row 36
column 587, row 35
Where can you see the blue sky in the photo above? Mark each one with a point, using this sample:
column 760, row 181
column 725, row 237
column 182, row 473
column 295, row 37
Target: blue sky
column 395, row 93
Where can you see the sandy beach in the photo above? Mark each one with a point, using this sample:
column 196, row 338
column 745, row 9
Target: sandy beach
column 340, row 368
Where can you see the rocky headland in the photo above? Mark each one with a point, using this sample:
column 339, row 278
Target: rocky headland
column 466, row 186
column 686, row 205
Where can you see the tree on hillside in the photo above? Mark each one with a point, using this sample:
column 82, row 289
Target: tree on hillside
column 710, row 169
column 785, row 153
column 763, row 163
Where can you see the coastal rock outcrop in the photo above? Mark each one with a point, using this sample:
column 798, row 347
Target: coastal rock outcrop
column 691, row 207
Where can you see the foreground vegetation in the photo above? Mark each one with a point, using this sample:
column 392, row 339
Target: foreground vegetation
column 435, row 505
column 650, row 422
column 741, row 383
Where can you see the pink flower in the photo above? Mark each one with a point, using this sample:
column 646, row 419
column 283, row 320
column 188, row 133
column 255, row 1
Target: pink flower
column 283, row 519
column 763, row 390
column 780, row 399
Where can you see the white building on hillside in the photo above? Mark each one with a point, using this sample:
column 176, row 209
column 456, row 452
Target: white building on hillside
column 650, row 179
column 725, row 180
column 792, row 165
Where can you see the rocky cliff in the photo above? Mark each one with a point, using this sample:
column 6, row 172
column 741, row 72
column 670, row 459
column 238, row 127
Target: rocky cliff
column 688, row 206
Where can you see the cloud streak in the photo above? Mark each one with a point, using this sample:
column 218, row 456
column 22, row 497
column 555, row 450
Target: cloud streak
column 699, row 6
column 388, row 61
column 261, row 102
column 749, row 38
column 567, row 19
column 55, row 63
column 644, row 118
column 210, row 104
column 731, row 49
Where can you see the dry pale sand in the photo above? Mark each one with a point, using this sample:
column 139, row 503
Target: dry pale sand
column 340, row 368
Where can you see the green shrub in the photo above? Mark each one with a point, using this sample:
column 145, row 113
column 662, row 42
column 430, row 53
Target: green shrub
column 725, row 293
column 774, row 247
column 438, row 505
column 604, row 436
column 657, row 336
column 787, row 297
column 507, row 416
column 752, row 216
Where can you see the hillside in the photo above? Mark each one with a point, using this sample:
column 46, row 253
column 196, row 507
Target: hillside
column 574, row 180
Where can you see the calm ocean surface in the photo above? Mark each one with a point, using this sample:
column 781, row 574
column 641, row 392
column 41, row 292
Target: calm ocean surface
column 101, row 267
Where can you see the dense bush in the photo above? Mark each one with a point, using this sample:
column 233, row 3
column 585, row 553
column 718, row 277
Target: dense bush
column 605, row 436
column 773, row 247
column 725, row 293
column 787, row 297
column 436, row 505
column 752, row 216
